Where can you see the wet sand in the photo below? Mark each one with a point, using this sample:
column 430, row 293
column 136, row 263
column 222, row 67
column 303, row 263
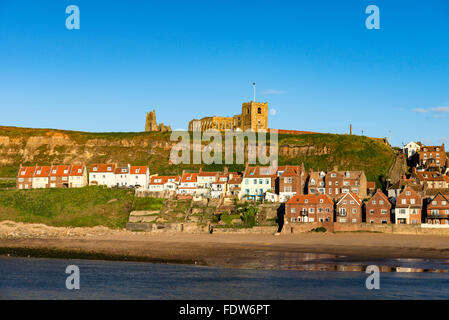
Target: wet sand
column 236, row 250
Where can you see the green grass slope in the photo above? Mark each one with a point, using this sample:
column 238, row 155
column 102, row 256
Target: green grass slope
column 30, row 146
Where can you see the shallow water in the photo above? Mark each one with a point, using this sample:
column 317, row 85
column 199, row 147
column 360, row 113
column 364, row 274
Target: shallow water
column 35, row 278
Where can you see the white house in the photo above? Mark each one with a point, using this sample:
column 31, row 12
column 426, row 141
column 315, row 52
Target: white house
column 219, row 188
column 188, row 184
column 410, row 149
column 102, row 175
column 122, row 176
column 78, row 176
column 256, row 182
column 164, row 183
column 139, row 176
column 41, row 177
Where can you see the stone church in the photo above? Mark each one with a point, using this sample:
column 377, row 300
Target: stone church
column 151, row 124
column 254, row 117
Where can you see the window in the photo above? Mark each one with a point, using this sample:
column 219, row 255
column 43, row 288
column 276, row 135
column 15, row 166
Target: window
column 109, row 168
column 383, row 211
column 371, row 211
column 404, row 201
column 259, row 110
column 381, row 202
column 293, row 219
column 293, row 210
column 354, row 211
column 408, row 193
column 412, row 201
column 312, row 210
column 374, row 201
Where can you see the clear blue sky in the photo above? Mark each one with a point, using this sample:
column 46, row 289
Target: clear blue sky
column 314, row 62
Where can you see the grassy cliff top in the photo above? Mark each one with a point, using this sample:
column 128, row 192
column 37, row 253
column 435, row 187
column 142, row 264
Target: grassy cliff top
column 317, row 151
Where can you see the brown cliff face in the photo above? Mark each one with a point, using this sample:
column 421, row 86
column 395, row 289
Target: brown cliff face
column 45, row 146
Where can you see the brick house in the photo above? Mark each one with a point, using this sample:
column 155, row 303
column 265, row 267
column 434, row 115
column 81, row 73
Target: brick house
column 434, row 155
column 432, row 180
column 78, row 176
column 438, row 210
column 349, row 209
column 338, row 182
column 408, row 207
column 290, row 181
column 59, row 176
column 25, row 177
column 378, row 209
column 309, row 208
column 315, row 182
column 41, row 177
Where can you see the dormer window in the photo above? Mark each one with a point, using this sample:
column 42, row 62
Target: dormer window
column 137, row 170
column 66, row 171
column 54, row 171
column 38, row 172
column 23, row 172
column 306, row 201
column 188, row 178
column 95, row 169
column 79, row 170
column 109, row 168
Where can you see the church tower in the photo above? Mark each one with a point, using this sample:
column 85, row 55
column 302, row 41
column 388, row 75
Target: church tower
column 254, row 116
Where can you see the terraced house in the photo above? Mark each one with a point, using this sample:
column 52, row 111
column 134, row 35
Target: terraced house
column 41, row 177
column 102, row 174
column 25, row 177
column 432, row 156
column 378, row 209
column 338, row 182
column 59, row 176
column 309, row 208
column 256, row 182
column 291, row 181
column 55, row 176
column 438, row 210
column 349, row 209
column 408, row 207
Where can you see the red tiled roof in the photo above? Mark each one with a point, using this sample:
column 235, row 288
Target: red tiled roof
column 350, row 194
column 207, row 174
column 58, row 171
column 102, row 167
column 139, row 169
column 42, row 171
column 259, row 172
column 311, row 199
column 164, row 179
column 371, row 185
column 75, row 171
column 193, row 177
column 26, row 172
column 121, row 170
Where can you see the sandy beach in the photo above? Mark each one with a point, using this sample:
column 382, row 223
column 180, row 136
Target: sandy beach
column 225, row 250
